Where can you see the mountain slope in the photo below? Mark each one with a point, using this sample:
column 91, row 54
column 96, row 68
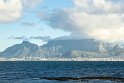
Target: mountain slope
column 85, row 48
column 68, row 45
column 85, row 54
column 19, row 50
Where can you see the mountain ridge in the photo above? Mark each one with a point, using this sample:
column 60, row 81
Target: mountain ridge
column 84, row 48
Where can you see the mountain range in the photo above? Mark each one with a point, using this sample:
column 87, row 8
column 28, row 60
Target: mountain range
column 84, row 48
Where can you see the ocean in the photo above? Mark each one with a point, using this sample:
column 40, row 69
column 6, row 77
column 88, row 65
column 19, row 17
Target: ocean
column 36, row 71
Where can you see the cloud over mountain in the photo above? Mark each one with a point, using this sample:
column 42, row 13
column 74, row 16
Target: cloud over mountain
column 24, row 38
column 99, row 19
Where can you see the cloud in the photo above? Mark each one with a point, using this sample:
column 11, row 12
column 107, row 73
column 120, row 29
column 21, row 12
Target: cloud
column 23, row 38
column 98, row 19
column 58, row 19
column 28, row 24
column 32, row 3
column 61, row 19
column 43, row 38
column 70, row 37
column 11, row 10
column 100, row 6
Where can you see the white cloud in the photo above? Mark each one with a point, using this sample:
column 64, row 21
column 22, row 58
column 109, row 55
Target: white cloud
column 99, row 19
column 103, row 27
column 103, row 19
column 32, row 3
column 100, row 6
column 11, row 10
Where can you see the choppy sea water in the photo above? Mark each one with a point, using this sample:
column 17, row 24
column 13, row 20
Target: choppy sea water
column 32, row 71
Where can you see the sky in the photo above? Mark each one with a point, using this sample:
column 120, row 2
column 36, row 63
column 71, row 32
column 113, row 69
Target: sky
column 27, row 24
column 39, row 21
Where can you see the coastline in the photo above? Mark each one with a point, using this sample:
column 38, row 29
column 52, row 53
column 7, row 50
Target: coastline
column 61, row 59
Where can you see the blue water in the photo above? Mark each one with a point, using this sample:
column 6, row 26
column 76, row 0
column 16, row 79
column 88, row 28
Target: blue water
column 31, row 72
